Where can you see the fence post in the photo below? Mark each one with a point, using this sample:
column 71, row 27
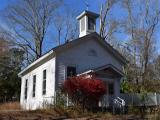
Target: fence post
column 132, row 98
column 156, row 98
column 55, row 98
column 113, row 108
column 67, row 101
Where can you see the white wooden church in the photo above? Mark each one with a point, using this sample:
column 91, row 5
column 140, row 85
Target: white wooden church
column 88, row 53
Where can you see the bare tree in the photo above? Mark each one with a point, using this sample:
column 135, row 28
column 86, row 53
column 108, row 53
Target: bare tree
column 29, row 20
column 141, row 27
column 108, row 26
column 71, row 26
column 66, row 26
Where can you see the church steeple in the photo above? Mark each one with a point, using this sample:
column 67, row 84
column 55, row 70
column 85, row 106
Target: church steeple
column 87, row 22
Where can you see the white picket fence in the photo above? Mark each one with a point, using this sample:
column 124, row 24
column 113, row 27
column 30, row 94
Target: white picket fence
column 134, row 99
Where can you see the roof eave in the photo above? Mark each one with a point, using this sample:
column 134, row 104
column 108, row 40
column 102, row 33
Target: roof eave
column 36, row 62
column 94, row 70
column 113, row 50
column 87, row 13
column 110, row 66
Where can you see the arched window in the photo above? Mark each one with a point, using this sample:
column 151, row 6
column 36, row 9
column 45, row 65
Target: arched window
column 92, row 52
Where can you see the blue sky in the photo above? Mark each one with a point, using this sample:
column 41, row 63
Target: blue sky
column 79, row 6
column 3, row 4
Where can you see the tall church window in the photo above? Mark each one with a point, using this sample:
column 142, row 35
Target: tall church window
column 34, row 86
column 44, row 82
column 26, row 89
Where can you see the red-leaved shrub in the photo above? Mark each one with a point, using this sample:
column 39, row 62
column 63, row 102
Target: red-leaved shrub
column 84, row 91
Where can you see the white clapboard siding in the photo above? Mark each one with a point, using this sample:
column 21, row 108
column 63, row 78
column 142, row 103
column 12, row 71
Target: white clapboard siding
column 61, row 72
column 36, row 102
column 79, row 56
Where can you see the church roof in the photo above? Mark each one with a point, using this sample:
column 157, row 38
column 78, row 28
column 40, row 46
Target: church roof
column 96, row 35
column 89, row 13
column 105, row 67
column 61, row 48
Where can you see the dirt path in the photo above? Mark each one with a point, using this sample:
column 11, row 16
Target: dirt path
column 39, row 115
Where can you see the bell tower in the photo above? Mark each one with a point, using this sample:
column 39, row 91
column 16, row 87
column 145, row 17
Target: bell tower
column 87, row 22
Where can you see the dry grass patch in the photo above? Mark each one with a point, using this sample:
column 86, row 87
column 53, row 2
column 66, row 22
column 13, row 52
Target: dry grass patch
column 10, row 106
